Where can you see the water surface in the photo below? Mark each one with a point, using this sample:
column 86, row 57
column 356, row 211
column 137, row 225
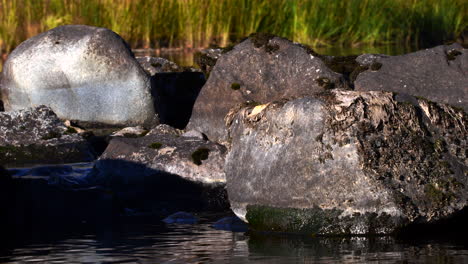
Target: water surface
column 155, row 242
column 134, row 238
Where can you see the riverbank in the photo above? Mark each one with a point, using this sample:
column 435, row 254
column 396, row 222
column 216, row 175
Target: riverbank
column 197, row 24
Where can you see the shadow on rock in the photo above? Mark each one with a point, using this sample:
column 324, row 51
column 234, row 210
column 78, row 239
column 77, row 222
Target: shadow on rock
column 175, row 94
column 143, row 189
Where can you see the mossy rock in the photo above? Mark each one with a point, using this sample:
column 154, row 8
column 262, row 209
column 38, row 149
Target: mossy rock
column 235, row 86
column 199, row 155
column 325, row 83
column 70, row 130
column 451, row 55
column 155, row 145
column 317, row 221
column 51, row 135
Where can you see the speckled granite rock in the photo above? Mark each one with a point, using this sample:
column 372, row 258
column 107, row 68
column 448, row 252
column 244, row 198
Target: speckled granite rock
column 83, row 73
column 345, row 162
column 260, row 69
column 439, row 74
column 37, row 136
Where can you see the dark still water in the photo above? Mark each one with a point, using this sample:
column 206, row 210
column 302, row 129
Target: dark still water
column 144, row 238
column 154, row 242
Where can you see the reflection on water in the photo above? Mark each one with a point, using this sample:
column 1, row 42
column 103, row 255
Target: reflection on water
column 154, row 242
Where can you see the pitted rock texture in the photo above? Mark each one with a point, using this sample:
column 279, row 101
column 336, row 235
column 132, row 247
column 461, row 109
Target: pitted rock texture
column 83, row 73
column 345, row 162
column 260, row 69
column 163, row 149
column 37, row 136
column 439, row 74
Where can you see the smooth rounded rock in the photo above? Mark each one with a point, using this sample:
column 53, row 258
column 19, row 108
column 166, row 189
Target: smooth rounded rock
column 260, row 69
column 83, row 73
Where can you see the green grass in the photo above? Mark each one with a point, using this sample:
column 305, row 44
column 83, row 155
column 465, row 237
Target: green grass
column 199, row 23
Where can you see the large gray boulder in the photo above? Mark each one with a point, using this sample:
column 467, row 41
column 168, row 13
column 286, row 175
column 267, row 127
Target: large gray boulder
column 260, row 69
column 347, row 162
column 83, row 73
column 37, row 136
column 439, row 74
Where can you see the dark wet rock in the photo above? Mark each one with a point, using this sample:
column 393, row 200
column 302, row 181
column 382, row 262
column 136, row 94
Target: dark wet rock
column 345, row 162
column 36, row 135
column 230, row 223
column 83, row 73
column 181, row 218
column 260, row 69
column 438, row 74
column 207, row 58
column 175, row 94
column 163, row 149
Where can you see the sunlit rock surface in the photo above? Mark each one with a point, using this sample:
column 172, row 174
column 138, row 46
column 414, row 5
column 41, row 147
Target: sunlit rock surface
column 346, row 162
column 83, row 73
column 163, row 149
column 37, row 136
column 258, row 70
column 439, row 74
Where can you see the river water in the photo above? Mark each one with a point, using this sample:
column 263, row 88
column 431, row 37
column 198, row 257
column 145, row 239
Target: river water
column 137, row 238
column 153, row 242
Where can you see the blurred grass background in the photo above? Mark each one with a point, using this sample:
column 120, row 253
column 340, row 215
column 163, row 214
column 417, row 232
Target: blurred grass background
column 199, row 23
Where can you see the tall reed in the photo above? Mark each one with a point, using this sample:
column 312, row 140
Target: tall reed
column 199, row 23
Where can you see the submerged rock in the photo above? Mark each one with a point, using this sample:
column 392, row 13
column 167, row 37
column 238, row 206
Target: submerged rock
column 439, row 74
column 346, row 162
column 180, row 218
column 260, row 69
column 230, row 223
column 83, row 73
column 37, row 136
